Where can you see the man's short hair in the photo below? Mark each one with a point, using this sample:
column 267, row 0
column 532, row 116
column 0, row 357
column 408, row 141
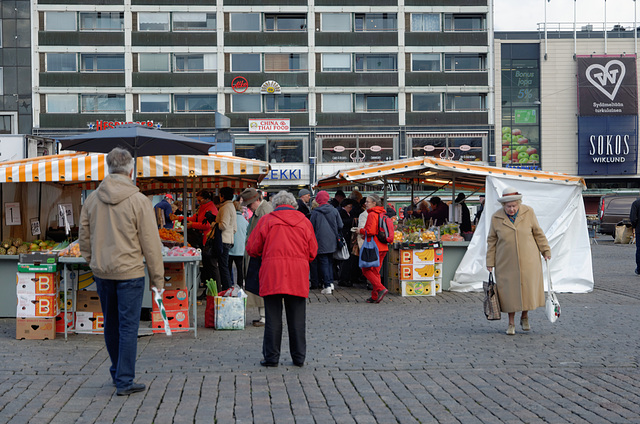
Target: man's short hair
column 119, row 161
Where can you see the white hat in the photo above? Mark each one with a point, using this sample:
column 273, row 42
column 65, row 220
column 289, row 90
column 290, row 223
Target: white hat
column 509, row 194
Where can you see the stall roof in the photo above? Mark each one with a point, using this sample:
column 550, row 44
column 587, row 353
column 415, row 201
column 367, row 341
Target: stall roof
column 432, row 171
column 159, row 172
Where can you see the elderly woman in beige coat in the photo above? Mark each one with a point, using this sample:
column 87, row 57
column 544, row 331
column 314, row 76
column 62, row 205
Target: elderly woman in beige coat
column 514, row 246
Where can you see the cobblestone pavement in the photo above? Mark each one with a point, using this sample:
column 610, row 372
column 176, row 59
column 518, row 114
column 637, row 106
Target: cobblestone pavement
column 421, row 360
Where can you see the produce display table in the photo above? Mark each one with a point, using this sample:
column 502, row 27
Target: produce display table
column 191, row 266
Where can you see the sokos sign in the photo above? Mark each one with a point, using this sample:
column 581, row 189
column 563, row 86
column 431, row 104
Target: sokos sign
column 607, row 86
column 607, row 145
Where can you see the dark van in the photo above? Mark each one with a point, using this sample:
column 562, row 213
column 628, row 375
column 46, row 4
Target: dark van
column 613, row 209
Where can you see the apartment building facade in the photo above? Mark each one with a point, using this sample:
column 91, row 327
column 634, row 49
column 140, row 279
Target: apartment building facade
column 312, row 86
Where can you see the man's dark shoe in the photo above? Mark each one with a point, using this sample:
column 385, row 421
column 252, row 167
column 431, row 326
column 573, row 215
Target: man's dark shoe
column 258, row 323
column 637, row 273
column 298, row 364
column 381, row 295
column 265, row 363
column 134, row 388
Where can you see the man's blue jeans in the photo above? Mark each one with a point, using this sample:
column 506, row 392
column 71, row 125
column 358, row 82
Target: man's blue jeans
column 121, row 302
column 325, row 269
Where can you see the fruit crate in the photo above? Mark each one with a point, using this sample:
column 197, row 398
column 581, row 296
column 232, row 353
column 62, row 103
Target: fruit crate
column 417, row 245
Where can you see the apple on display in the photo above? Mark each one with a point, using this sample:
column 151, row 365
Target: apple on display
column 523, row 155
column 534, row 158
column 523, row 140
column 516, row 131
column 532, row 150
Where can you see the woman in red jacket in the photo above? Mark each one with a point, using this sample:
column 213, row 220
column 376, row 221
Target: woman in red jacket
column 199, row 224
column 375, row 209
column 287, row 244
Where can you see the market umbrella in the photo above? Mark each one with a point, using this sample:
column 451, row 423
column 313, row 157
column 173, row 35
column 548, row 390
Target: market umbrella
column 139, row 140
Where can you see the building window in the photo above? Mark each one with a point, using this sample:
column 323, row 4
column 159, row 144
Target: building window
column 251, row 148
column 102, row 103
column 376, row 22
column 195, row 103
column 62, row 103
column 285, row 151
column 336, row 62
column 275, row 22
column 447, row 147
column 337, row 103
column 153, row 21
column 285, row 62
column 464, row 102
column 0, row 33
column 102, row 62
column 376, row 62
column 5, row 124
column 464, row 22
column 244, row 22
column 153, row 62
column 429, row 102
column 464, row 62
column 376, row 103
column 425, row 22
column 101, row 21
column 155, row 103
column 60, row 21
column 195, row 62
column 61, row 62
column 246, row 103
column 335, row 22
column 428, row 62
column 357, row 149
column 245, row 62
column 1, row 81
column 186, row 21
column 285, row 103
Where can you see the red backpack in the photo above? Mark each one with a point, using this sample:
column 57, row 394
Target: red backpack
column 385, row 229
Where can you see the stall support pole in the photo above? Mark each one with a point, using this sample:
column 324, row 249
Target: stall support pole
column 452, row 211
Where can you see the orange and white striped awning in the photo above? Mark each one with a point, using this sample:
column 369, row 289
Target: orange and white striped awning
column 161, row 171
column 433, row 171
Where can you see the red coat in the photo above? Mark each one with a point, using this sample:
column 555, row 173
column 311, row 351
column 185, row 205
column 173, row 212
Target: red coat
column 196, row 220
column 371, row 226
column 287, row 243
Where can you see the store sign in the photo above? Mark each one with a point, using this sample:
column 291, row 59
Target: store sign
column 607, row 145
column 269, row 125
column 239, row 84
column 270, row 87
column 105, row 125
column 287, row 174
column 607, row 86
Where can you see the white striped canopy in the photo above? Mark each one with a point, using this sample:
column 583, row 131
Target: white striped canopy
column 153, row 172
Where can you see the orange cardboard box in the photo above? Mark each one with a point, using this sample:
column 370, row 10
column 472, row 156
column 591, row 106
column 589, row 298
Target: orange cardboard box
column 37, row 306
column 36, row 283
column 35, row 328
column 60, row 322
column 173, row 300
column 89, row 322
column 178, row 321
column 174, row 276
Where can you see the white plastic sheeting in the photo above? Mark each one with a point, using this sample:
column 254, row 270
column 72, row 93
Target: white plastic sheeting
column 561, row 214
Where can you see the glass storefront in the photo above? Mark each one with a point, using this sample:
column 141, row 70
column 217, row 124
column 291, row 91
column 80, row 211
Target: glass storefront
column 357, row 147
column 453, row 146
column 520, row 134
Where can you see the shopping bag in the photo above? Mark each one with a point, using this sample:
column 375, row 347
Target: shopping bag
column 491, row 300
column 210, row 313
column 551, row 306
column 230, row 312
column 624, row 233
column 213, row 245
column 342, row 254
column 157, row 296
column 369, row 254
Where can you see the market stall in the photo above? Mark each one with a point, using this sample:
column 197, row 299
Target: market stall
column 40, row 185
column 555, row 197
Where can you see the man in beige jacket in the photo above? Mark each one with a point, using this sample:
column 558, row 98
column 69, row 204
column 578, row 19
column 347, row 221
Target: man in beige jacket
column 226, row 221
column 117, row 231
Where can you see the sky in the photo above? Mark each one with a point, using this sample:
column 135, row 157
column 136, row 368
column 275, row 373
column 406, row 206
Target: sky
column 524, row 15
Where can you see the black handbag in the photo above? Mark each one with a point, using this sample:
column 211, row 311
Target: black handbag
column 213, row 246
column 252, row 279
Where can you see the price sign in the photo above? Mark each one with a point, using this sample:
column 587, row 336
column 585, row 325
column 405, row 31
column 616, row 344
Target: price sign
column 65, row 209
column 12, row 214
column 35, row 227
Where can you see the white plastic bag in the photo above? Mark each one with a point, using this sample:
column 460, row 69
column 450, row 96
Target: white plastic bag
column 551, row 306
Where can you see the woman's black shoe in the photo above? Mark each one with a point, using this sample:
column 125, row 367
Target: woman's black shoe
column 265, row 363
column 370, row 300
